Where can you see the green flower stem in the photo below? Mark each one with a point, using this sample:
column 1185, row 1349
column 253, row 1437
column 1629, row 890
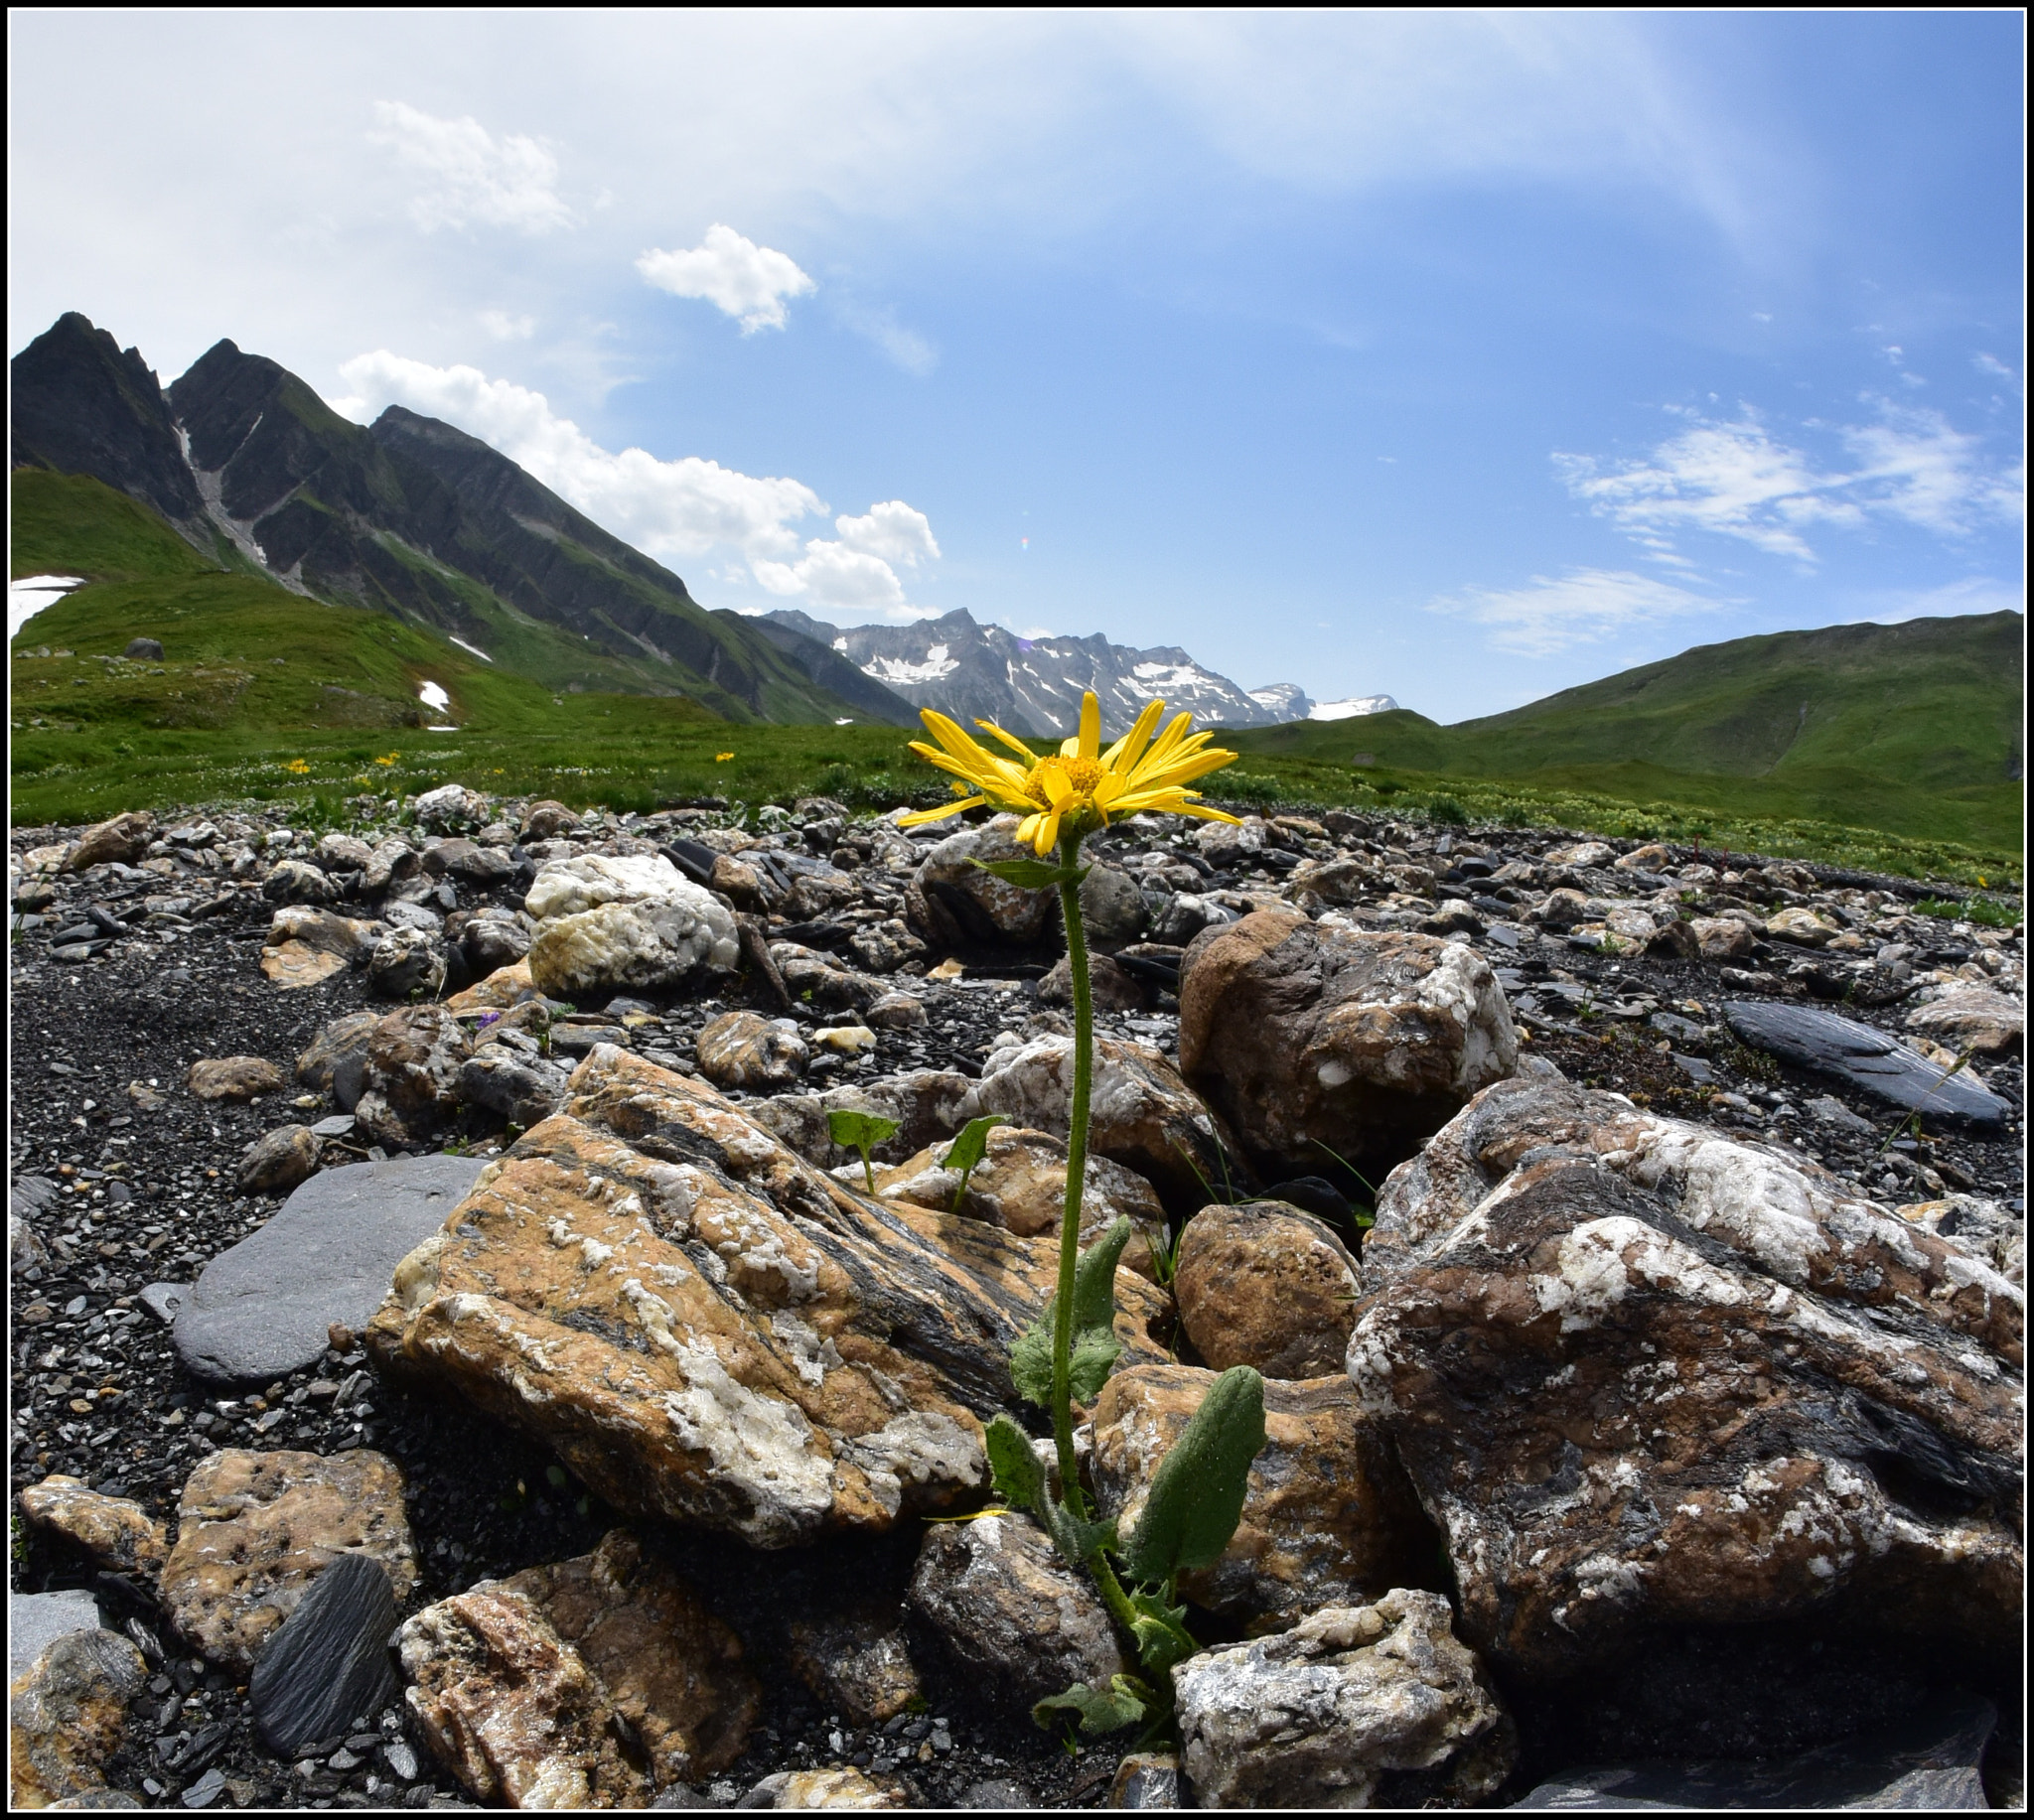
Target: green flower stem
column 1076, row 1177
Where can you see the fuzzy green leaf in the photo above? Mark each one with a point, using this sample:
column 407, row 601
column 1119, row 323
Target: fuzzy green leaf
column 1032, row 875
column 1095, row 1352
column 1197, row 1493
column 861, row 1131
column 1031, row 1363
column 1079, row 1540
column 1094, row 1279
column 968, row 1149
column 1161, row 1633
column 1121, row 1704
column 1019, row 1478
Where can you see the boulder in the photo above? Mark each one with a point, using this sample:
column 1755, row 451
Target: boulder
column 1867, row 1060
column 653, row 944
column 255, row 1530
column 591, row 1683
column 449, row 807
column 465, row 859
column 547, row 820
column 897, row 1011
column 509, row 1076
column 328, row 1664
column 1327, row 1517
column 1356, row 1705
column 1112, row 909
column 263, row 1307
column 820, row 981
column 884, row 947
column 1316, row 1041
column 741, row 1050
column 144, row 651
column 415, row 1056
column 233, row 1077
column 336, row 1060
column 494, row 939
column 306, row 946
column 114, row 1531
column 342, row 853
column 1583, row 853
column 1645, row 1375
column 953, row 903
column 503, row 990
column 34, row 1620
column 1801, row 926
column 406, row 963
column 1012, row 1611
column 708, row 1328
column 1262, row 1283
column 1110, row 987
column 67, row 1716
column 1723, row 938
column 1979, row 1018
column 298, row 882
column 586, row 881
column 1141, row 1114
column 857, row 1664
column 279, row 1161
column 124, row 838
column 845, row 1787
column 390, row 862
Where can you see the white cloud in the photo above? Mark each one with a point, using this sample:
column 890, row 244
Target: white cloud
column 506, row 327
column 1734, row 480
column 731, row 272
column 902, row 347
column 470, row 176
column 1580, row 608
column 673, row 510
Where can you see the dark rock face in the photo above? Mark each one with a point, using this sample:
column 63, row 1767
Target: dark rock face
column 1645, row 1375
column 81, row 406
column 1867, row 1060
column 328, row 1664
column 265, row 1306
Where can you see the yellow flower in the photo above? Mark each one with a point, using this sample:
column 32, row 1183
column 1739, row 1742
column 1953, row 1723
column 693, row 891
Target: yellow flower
column 721, row 757
column 1080, row 787
column 390, row 759
column 298, row 766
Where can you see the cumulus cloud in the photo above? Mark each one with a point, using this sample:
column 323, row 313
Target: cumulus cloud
column 732, row 273
column 470, row 176
column 1735, row 479
column 673, row 510
column 1580, row 608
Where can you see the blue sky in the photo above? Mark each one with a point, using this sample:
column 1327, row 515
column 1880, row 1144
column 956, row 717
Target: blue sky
column 1456, row 357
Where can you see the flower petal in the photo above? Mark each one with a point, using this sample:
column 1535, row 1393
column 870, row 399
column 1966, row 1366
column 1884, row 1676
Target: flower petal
column 1091, row 726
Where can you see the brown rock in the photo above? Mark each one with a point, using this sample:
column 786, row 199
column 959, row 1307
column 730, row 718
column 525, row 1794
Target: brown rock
column 336, row 1060
column 124, row 838
column 1011, row 1609
column 1723, row 938
column 845, row 1787
column 546, row 820
column 858, row 1665
column 1141, row 1113
column 293, row 965
column 235, row 1077
column 279, row 1161
column 705, row 1328
column 953, row 903
column 1262, row 1283
column 504, row 987
column 1644, row 1374
column 1801, row 925
column 254, row 1531
column 1304, row 1036
column 114, row 1531
column 1111, row 987
column 1675, row 941
column 349, row 938
column 413, row 1076
column 1975, row 1018
column 1329, row 1515
column 298, row 882
column 523, row 1685
column 67, row 1716
column 741, row 1050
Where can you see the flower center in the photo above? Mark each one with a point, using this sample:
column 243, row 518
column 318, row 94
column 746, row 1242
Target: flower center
column 1081, row 774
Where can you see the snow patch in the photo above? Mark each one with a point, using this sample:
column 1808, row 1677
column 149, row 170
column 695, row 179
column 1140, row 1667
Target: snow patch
column 432, row 696
column 1350, row 709
column 475, row 648
column 938, row 663
column 31, row 593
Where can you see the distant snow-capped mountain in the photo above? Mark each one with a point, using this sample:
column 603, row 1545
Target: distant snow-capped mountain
column 1034, row 685
column 1350, row 709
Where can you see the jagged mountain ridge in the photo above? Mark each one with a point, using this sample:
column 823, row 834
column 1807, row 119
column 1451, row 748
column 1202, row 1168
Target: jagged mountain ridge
column 1034, row 686
column 411, row 516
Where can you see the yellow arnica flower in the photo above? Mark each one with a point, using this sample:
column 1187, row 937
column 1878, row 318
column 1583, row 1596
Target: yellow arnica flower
column 1080, row 787
column 721, row 757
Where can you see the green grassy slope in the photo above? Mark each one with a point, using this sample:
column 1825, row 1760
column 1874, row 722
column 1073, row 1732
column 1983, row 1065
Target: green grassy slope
column 1910, row 729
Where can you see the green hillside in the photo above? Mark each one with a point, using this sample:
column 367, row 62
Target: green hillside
column 1911, row 728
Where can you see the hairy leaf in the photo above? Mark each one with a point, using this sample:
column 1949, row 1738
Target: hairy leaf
column 1019, row 1478
column 1094, row 1279
column 1161, row 1633
column 1121, row 1704
column 1077, row 1538
column 1032, row 875
column 1095, row 1352
column 1031, row 1363
column 861, row 1131
column 1197, row 1493
column 968, row 1149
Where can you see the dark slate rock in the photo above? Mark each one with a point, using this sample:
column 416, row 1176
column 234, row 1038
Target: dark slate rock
column 328, row 1664
column 34, row 1620
column 1865, row 1059
column 32, row 1195
column 264, row 1306
column 1929, row 1762
column 149, row 648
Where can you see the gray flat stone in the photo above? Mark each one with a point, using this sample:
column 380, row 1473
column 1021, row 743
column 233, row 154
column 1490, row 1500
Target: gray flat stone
column 34, row 1620
column 1929, row 1763
column 337, row 1126
column 328, row 1664
column 263, row 1307
column 1867, row 1060
column 163, row 1300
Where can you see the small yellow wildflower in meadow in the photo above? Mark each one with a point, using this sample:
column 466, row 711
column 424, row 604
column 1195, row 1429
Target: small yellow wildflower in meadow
column 298, row 767
column 1080, row 787
column 721, row 757
column 390, row 759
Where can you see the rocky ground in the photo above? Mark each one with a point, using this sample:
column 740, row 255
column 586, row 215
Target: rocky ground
column 211, row 1017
